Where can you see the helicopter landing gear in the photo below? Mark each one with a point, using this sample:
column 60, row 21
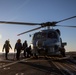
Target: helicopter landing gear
column 35, row 54
column 62, row 51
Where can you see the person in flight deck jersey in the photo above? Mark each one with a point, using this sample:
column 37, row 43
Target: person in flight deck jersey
column 18, row 48
column 25, row 45
column 7, row 47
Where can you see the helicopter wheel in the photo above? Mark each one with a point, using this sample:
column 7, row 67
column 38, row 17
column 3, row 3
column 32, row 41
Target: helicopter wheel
column 36, row 56
column 62, row 51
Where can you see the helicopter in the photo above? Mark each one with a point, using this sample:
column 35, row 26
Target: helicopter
column 45, row 42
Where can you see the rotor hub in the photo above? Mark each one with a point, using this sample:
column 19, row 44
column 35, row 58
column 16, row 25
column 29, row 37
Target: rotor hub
column 48, row 24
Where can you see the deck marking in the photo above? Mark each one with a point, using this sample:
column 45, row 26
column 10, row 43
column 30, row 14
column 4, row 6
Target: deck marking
column 14, row 62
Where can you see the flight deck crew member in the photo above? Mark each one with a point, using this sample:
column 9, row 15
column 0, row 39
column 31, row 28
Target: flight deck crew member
column 18, row 48
column 6, row 46
column 28, row 50
column 25, row 45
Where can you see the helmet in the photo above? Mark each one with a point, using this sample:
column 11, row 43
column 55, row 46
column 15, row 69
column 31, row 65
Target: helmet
column 19, row 40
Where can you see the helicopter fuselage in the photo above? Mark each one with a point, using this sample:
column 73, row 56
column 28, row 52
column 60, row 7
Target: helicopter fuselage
column 46, row 41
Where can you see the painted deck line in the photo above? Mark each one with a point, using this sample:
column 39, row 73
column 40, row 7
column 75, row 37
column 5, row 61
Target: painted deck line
column 14, row 62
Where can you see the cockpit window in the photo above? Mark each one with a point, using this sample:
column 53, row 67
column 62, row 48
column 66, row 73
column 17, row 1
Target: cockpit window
column 44, row 35
column 52, row 35
column 39, row 35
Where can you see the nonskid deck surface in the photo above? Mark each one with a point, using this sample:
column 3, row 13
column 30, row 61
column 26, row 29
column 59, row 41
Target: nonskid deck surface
column 42, row 65
column 3, row 61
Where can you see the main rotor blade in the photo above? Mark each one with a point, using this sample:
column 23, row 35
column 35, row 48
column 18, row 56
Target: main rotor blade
column 29, row 31
column 42, row 24
column 19, row 23
column 66, row 19
column 54, row 22
column 66, row 26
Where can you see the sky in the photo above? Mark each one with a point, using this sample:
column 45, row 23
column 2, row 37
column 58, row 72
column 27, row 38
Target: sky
column 37, row 11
